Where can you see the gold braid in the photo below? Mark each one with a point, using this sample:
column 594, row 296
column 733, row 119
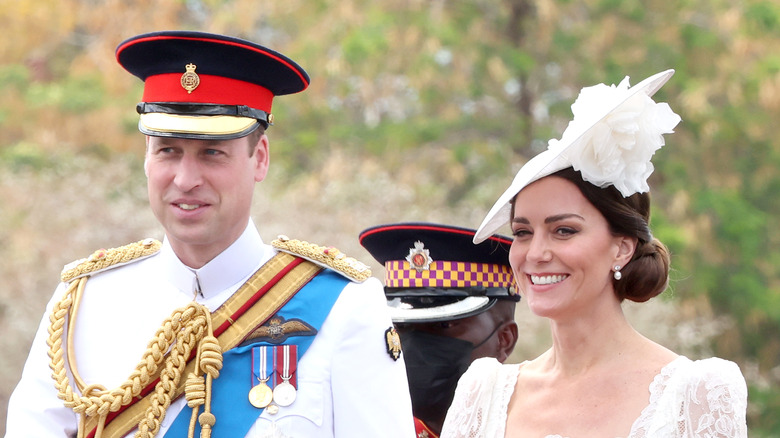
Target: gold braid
column 186, row 339
column 104, row 258
column 197, row 390
column 182, row 331
column 327, row 256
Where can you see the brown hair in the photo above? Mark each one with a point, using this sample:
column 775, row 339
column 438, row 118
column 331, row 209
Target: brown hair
column 647, row 274
column 253, row 137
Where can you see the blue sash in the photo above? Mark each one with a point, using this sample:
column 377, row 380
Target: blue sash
column 229, row 392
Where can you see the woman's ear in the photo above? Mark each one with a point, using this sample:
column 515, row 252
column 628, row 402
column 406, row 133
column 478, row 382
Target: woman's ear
column 626, row 248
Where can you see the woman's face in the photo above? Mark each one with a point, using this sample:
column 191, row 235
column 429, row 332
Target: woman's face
column 563, row 252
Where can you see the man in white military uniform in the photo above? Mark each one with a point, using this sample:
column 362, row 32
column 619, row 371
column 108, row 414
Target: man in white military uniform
column 212, row 332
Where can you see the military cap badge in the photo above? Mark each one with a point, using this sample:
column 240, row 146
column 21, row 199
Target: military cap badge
column 190, row 80
column 419, row 257
column 393, row 343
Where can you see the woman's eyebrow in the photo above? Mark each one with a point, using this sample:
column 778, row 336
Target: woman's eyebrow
column 560, row 217
column 551, row 219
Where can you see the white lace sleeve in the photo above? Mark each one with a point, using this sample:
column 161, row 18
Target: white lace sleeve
column 714, row 401
column 480, row 406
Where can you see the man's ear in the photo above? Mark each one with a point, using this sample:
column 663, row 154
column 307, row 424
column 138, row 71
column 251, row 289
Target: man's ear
column 263, row 157
column 146, row 158
column 507, row 338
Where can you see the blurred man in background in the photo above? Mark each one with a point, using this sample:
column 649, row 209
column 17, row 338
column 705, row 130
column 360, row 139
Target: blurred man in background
column 451, row 302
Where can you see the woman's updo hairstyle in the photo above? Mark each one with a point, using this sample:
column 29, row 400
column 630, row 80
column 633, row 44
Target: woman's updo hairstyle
column 647, row 274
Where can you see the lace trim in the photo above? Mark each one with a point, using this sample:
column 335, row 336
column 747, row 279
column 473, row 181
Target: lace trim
column 657, row 389
column 469, row 414
column 507, row 380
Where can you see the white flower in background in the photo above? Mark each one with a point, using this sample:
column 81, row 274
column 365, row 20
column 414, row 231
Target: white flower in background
column 616, row 148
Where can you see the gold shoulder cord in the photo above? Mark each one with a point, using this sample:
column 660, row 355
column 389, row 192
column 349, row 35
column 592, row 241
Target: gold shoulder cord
column 187, row 328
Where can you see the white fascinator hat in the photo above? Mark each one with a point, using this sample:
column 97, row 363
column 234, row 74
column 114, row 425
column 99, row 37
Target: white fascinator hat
column 614, row 133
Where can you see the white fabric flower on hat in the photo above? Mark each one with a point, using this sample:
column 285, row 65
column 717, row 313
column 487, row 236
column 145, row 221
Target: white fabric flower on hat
column 616, row 148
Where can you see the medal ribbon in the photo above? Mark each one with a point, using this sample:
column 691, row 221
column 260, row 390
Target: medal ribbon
column 285, row 364
column 260, row 364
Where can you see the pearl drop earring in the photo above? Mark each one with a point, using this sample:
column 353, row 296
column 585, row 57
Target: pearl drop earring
column 617, row 275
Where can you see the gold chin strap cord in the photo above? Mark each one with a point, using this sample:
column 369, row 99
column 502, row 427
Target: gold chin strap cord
column 197, row 391
column 187, row 327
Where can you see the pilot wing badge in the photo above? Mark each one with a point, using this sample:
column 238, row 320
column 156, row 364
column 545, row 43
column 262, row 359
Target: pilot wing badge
column 278, row 329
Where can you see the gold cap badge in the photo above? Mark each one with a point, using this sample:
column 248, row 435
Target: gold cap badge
column 190, row 80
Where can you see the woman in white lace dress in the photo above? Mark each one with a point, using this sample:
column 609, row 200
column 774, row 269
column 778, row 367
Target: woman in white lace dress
column 579, row 212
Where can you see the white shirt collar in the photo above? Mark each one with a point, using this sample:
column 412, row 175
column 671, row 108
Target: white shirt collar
column 228, row 270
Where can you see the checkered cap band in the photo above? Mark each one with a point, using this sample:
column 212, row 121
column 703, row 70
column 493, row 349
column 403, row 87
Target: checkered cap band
column 442, row 274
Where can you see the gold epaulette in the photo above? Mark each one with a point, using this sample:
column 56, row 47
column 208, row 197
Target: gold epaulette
column 325, row 256
column 108, row 258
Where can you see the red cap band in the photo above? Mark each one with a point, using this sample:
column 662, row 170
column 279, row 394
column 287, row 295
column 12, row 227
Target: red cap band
column 211, row 89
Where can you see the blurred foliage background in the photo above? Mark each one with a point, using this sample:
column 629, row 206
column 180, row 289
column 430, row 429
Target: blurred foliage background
column 419, row 110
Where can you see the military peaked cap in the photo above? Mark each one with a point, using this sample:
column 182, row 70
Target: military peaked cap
column 207, row 86
column 435, row 272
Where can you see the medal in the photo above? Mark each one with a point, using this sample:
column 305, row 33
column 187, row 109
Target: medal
column 284, row 393
column 260, row 395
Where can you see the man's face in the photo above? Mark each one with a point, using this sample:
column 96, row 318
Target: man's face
column 201, row 191
column 474, row 329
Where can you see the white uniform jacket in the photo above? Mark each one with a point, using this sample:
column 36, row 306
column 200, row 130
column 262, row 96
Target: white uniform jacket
column 348, row 384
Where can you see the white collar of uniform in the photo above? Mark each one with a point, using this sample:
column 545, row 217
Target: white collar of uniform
column 228, row 270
